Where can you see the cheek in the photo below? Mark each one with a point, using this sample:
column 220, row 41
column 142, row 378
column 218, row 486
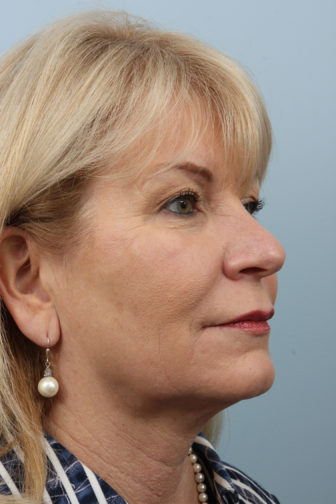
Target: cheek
column 153, row 260
column 141, row 296
column 152, row 286
column 143, row 278
column 172, row 268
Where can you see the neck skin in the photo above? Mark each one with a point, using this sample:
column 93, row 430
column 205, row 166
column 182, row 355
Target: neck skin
column 144, row 458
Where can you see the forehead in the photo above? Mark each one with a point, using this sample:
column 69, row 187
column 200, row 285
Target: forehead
column 187, row 135
column 199, row 152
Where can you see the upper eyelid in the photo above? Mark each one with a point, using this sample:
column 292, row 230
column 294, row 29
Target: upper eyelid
column 188, row 191
column 249, row 199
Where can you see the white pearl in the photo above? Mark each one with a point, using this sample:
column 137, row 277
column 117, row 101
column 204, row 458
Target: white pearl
column 48, row 386
column 199, row 477
column 201, row 487
column 193, row 458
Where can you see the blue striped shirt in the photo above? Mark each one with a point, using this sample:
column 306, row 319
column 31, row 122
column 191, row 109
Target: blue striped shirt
column 70, row 482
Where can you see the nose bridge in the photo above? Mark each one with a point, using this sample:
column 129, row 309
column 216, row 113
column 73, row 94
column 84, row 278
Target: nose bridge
column 252, row 249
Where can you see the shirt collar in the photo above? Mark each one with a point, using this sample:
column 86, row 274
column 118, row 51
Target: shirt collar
column 217, row 472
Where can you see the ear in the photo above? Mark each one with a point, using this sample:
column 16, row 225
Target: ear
column 22, row 288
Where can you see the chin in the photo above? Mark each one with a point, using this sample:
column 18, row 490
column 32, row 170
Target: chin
column 248, row 380
column 257, row 380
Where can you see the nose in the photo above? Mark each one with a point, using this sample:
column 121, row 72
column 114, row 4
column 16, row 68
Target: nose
column 252, row 250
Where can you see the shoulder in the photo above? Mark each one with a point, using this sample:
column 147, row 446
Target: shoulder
column 230, row 484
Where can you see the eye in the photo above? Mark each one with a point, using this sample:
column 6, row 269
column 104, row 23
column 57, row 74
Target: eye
column 184, row 203
column 254, row 206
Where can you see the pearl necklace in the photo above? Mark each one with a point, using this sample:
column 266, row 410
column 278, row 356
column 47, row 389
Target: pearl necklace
column 199, row 477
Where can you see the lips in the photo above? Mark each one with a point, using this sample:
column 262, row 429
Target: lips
column 254, row 322
column 254, row 316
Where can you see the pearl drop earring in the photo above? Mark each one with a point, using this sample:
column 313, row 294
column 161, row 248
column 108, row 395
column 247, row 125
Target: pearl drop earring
column 48, row 385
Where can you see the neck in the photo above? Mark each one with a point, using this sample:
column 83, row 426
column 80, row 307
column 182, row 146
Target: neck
column 144, row 458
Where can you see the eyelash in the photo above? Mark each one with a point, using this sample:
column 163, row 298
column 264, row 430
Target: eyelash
column 254, row 206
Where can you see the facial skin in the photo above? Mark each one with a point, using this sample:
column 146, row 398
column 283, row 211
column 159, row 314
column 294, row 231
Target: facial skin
column 139, row 300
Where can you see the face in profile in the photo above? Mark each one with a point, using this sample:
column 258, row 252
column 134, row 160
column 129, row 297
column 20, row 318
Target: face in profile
column 173, row 284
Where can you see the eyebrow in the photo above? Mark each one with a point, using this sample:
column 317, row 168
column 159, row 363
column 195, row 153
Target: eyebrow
column 204, row 172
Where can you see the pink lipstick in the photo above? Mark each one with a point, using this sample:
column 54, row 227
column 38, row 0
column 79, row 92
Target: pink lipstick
column 253, row 322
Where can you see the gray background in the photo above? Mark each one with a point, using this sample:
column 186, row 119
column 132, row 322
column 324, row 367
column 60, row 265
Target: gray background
column 284, row 439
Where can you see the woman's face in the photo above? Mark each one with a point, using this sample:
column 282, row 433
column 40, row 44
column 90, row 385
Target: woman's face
column 173, row 257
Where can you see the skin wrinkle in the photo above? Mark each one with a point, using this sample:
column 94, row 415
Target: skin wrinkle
column 154, row 483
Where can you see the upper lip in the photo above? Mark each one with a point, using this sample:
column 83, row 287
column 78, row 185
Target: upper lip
column 254, row 316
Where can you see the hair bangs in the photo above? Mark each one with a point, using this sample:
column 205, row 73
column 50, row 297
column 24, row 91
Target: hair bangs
column 204, row 93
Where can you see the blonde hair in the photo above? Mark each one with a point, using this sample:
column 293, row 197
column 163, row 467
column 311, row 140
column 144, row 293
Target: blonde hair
column 77, row 100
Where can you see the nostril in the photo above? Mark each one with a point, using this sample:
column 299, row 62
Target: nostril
column 253, row 270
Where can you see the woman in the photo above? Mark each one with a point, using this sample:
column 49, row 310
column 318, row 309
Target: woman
column 132, row 268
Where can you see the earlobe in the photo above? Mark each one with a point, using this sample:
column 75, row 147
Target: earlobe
column 22, row 290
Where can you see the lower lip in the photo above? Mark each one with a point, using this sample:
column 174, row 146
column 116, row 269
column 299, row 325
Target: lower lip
column 250, row 326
